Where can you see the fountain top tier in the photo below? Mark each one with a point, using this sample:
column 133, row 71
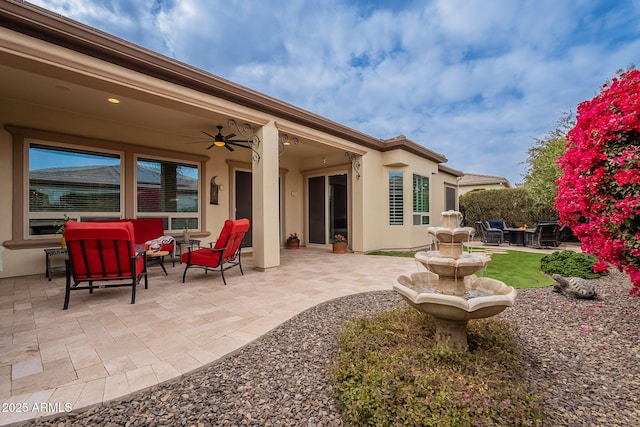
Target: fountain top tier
column 450, row 235
column 451, row 219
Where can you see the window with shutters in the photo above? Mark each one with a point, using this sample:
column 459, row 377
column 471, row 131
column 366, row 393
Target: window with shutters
column 396, row 198
column 420, row 200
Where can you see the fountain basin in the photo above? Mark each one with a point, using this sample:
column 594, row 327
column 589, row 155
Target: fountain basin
column 452, row 267
column 451, row 235
column 484, row 297
column 492, row 298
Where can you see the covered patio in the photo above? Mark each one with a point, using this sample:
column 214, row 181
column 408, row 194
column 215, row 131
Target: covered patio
column 104, row 348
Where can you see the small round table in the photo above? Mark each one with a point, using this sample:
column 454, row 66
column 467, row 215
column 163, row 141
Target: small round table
column 158, row 257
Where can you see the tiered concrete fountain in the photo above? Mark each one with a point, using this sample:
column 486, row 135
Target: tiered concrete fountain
column 449, row 290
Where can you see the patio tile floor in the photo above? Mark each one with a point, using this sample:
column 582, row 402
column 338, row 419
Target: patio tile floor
column 104, row 348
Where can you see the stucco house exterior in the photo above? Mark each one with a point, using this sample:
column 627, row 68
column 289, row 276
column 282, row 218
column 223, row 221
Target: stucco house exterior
column 95, row 127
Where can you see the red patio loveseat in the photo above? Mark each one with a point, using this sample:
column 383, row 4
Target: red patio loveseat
column 146, row 230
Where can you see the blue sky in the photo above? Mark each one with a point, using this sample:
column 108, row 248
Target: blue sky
column 475, row 80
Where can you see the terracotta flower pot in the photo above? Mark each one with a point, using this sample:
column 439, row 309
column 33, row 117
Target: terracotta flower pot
column 340, row 248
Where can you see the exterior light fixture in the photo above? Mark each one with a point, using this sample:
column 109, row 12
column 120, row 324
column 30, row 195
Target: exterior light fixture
column 284, row 142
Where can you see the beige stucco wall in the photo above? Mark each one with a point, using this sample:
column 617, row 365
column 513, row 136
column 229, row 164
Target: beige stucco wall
column 406, row 236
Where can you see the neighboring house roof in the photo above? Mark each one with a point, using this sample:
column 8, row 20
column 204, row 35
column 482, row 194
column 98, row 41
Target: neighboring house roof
column 107, row 175
column 450, row 171
column 470, row 179
column 45, row 25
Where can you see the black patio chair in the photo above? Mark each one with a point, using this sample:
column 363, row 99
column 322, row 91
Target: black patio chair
column 545, row 235
column 488, row 235
column 499, row 224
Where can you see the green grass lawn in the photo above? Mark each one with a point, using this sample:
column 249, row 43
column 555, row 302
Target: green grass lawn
column 514, row 268
column 517, row 269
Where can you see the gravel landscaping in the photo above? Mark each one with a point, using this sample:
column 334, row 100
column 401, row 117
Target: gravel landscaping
column 582, row 355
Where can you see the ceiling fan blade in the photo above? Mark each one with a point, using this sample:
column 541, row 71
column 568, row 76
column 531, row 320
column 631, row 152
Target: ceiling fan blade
column 237, row 144
column 228, row 147
column 239, row 140
column 211, row 146
column 209, row 135
column 197, row 142
column 231, row 135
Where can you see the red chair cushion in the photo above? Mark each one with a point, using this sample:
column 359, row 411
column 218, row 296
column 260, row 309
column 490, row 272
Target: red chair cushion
column 147, row 229
column 101, row 249
column 150, row 229
column 207, row 257
column 224, row 234
column 204, row 257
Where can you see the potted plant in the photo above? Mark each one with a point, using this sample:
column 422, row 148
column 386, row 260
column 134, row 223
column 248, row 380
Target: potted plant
column 339, row 244
column 186, row 235
column 60, row 230
column 293, row 242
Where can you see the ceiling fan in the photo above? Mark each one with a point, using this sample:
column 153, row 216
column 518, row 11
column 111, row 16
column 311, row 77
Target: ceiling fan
column 225, row 141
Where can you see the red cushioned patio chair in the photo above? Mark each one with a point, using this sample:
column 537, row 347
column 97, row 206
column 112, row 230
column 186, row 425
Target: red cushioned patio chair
column 225, row 254
column 103, row 252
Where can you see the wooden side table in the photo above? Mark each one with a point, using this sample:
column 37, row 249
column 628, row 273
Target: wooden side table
column 55, row 252
column 158, row 258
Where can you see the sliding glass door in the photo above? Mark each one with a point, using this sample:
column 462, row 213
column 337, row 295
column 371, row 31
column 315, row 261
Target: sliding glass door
column 327, row 208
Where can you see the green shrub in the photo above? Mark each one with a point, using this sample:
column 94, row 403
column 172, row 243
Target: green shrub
column 569, row 264
column 390, row 372
column 513, row 205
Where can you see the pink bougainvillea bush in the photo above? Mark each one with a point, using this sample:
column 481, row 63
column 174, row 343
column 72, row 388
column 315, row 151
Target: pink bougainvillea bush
column 599, row 191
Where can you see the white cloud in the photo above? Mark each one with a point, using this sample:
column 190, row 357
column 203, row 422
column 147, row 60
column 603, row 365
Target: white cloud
column 474, row 80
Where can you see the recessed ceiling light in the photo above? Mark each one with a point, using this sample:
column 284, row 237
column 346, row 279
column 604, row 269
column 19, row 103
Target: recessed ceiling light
column 114, row 100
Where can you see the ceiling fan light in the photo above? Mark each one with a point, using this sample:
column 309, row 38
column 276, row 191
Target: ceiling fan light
column 219, row 143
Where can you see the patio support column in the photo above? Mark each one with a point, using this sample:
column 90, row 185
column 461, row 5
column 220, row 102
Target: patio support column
column 266, row 222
